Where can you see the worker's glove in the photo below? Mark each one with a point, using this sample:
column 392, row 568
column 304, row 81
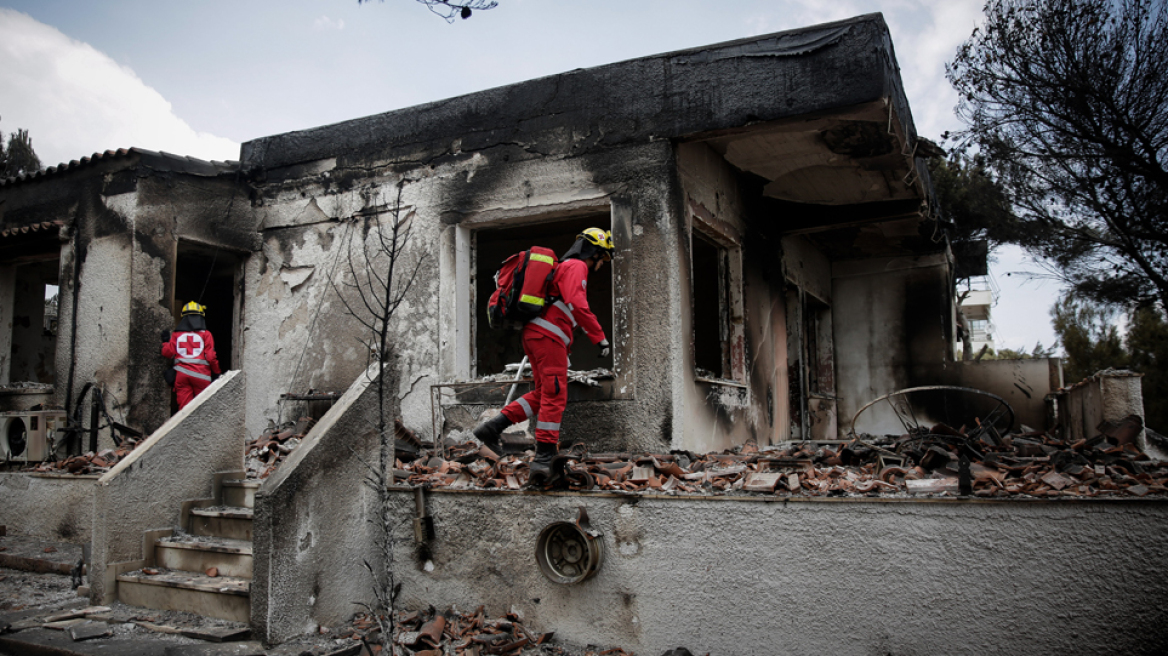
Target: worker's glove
column 605, row 348
column 166, row 335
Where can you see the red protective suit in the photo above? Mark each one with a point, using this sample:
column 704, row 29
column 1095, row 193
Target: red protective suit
column 547, row 341
column 194, row 362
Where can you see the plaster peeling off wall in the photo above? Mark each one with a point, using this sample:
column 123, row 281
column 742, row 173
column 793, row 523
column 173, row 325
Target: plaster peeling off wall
column 291, row 316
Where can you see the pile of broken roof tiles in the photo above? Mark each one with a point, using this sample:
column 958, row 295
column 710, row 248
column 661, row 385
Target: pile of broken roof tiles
column 429, row 633
column 940, row 462
column 271, row 448
column 88, row 463
column 264, row 454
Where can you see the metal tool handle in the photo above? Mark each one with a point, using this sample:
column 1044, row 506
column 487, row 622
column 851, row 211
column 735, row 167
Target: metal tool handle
column 515, row 385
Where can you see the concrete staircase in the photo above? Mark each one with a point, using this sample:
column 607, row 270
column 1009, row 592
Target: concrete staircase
column 217, row 533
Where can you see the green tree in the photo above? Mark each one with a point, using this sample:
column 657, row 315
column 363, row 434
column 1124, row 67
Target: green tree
column 1067, row 100
column 19, row 157
column 1089, row 337
column 1147, row 345
column 971, row 200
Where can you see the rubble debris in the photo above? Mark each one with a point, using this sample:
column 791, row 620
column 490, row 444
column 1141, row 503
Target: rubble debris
column 268, row 451
column 265, row 454
column 461, row 634
column 89, row 630
column 591, row 377
column 936, row 461
column 89, row 463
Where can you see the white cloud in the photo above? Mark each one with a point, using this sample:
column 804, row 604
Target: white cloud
column 75, row 101
column 326, row 23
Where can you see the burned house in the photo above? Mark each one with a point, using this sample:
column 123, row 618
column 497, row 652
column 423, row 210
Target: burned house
column 778, row 265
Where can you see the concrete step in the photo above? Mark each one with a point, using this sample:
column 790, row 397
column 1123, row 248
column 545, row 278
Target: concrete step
column 198, row 553
column 225, row 597
column 222, row 521
column 239, row 493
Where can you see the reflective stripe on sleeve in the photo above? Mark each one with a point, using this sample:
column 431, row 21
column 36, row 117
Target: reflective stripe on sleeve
column 193, row 374
column 526, row 407
column 552, row 328
column 547, row 425
column 563, row 307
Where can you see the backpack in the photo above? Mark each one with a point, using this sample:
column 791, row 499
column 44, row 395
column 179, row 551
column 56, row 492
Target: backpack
column 521, row 288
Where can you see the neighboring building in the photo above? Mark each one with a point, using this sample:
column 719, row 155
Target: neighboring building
column 976, row 306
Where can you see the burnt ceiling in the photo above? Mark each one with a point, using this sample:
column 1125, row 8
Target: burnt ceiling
column 846, row 179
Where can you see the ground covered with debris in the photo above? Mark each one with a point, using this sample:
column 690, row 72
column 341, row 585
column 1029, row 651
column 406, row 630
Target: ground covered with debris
column 938, row 461
column 46, row 605
column 20, row 590
column 460, row 633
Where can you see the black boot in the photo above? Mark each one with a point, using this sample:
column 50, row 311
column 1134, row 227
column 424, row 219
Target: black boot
column 541, row 465
column 489, row 431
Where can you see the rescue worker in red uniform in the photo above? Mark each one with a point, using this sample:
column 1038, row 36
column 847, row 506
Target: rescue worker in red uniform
column 193, row 350
column 547, row 340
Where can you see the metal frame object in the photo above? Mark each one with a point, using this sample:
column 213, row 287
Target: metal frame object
column 569, row 553
column 899, row 402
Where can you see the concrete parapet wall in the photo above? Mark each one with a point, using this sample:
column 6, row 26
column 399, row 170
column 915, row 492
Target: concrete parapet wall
column 311, row 531
column 1106, row 396
column 764, row 576
column 146, row 489
column 46, row 506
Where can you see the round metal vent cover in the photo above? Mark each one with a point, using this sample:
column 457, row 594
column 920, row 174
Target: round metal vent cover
column 569, row 553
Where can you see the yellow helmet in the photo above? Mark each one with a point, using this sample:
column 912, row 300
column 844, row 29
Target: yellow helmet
column 602, row 239
column 194, row 308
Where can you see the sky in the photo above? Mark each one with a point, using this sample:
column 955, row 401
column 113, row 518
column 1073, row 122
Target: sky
column 199, row 77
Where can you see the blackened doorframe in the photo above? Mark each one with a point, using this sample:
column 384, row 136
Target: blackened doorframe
column 207, row 275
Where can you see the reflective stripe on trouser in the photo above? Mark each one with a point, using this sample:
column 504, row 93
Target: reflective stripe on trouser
column 193, row 374
column 549, row 393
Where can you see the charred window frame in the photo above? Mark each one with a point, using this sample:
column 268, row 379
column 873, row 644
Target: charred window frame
column 29, row 276
column 492, row 349
column 716, row 309
column 810, row 365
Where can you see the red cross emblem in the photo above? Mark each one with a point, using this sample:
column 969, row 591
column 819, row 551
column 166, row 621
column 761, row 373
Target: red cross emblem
column 190, row 345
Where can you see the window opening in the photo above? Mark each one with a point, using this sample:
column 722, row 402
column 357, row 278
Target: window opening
column 52, row 305
column 820, row 362
column 711, row 308
column 496, row 348
column 34, row 338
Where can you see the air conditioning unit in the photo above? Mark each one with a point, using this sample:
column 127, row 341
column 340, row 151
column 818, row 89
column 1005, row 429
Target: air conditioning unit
column 31, row 435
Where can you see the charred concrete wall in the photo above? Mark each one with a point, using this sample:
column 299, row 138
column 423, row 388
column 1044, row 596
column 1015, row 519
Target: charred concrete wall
column 838, row 577
column 739, row 402
column 57, row 508
column 304, row 333
column 312, row 527
column 1024, row 384
column 716, row 87
column 146, row 489
column 890, row 332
